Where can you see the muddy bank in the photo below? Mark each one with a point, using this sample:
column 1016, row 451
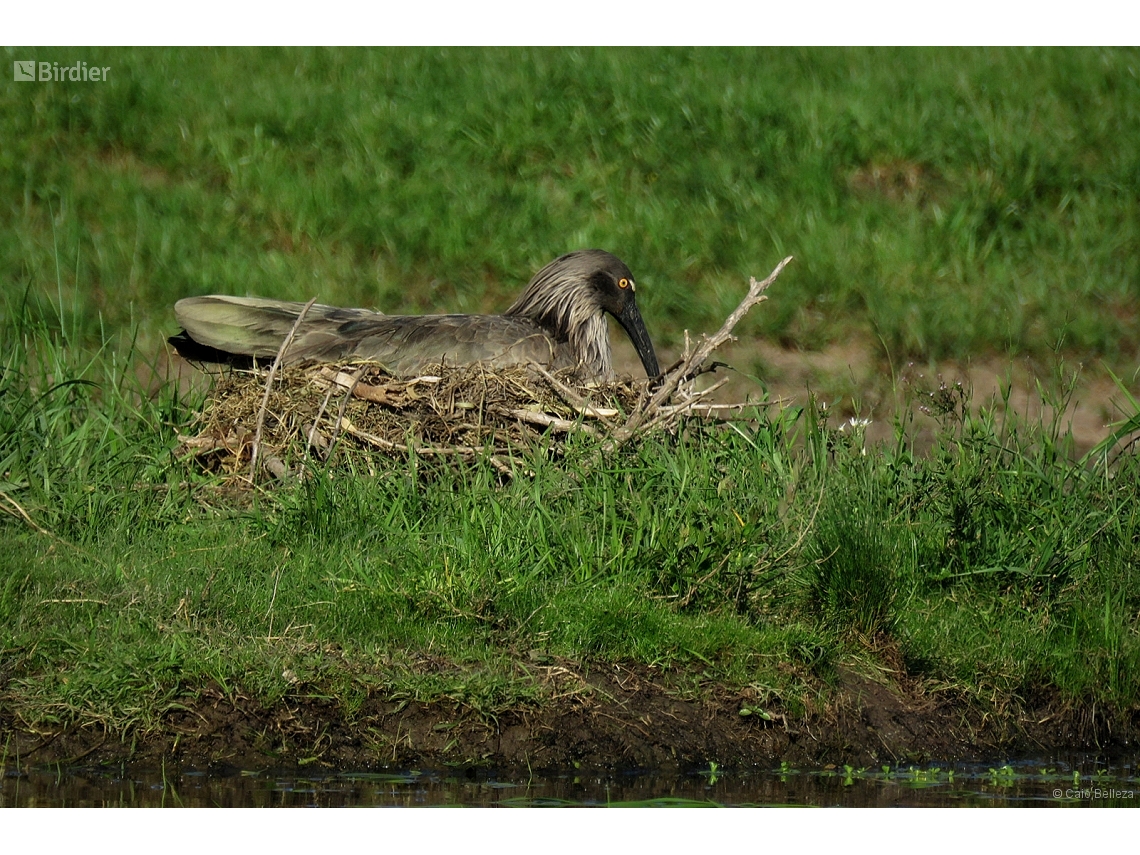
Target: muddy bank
column 608, row 716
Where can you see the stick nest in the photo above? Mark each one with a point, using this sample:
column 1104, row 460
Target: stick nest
column 468, row 411
column 277, row 419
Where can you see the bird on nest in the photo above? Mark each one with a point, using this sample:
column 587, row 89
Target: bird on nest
column 558, row 322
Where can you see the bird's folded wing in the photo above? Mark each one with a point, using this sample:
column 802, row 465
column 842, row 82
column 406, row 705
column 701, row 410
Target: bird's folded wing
column 407, row 344
column 252, row 326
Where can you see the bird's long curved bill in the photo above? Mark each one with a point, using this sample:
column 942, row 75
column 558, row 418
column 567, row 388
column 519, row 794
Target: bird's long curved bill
column 631, row 322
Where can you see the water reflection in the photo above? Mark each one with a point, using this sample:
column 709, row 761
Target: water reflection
column 1071, row 781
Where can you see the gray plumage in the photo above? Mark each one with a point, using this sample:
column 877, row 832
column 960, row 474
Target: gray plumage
column 558, row 322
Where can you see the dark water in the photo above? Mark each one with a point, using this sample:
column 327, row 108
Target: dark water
column 1084, row 781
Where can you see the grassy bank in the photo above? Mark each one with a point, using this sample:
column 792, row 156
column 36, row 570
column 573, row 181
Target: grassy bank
column 762, row 558
column 944, row 204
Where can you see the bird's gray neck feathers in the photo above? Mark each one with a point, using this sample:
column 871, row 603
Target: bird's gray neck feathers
column 566, row 306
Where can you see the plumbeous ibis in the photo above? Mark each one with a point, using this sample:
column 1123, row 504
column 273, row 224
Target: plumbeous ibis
column 558, row 322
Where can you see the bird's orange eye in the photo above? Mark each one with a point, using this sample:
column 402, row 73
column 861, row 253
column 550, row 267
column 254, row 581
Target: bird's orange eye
column 623, row 283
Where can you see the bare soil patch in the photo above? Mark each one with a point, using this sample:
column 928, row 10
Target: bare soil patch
column 609, row 716
column 854, row 378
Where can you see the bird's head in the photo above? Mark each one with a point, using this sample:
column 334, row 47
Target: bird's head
column 569, row 294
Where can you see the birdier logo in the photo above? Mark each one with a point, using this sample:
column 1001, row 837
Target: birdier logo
column 31, row 70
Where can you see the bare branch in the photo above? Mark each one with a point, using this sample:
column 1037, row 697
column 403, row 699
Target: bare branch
column 536, row 418
column 690, row 365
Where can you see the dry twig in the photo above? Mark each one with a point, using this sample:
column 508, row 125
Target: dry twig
column 269, row 388
column 690, row 365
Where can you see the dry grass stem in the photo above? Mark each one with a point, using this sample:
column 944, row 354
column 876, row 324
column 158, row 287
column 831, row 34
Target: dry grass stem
column 269, row 387
column 17, row 511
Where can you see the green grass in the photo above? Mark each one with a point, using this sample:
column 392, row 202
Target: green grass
column 944, row 202
column 762, row 557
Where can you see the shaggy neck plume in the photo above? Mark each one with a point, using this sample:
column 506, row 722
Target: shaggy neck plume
column 567, row 307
